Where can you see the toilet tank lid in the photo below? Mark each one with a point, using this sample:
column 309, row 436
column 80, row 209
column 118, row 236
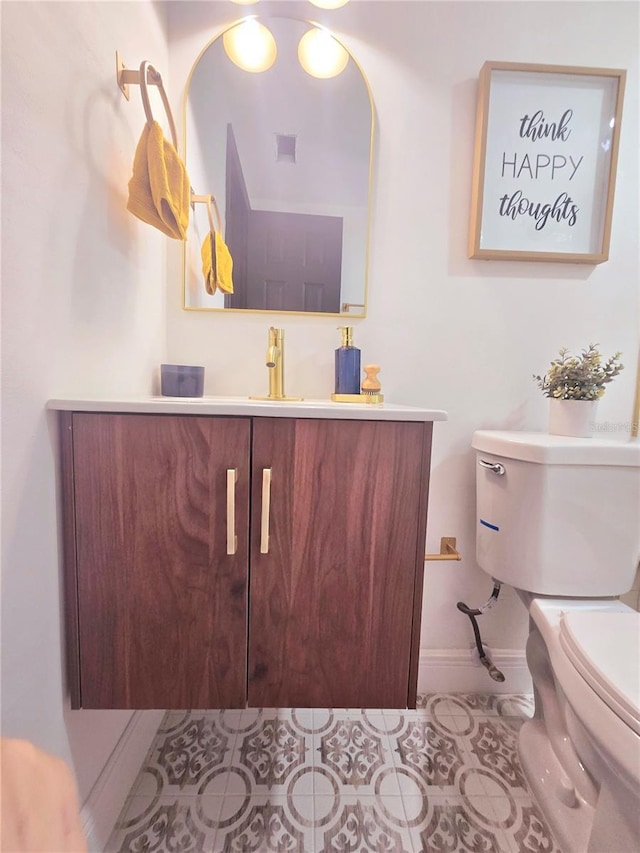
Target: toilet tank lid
column 548, row 449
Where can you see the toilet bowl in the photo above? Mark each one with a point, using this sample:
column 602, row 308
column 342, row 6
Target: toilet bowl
column 581, row 751
column 558, row 520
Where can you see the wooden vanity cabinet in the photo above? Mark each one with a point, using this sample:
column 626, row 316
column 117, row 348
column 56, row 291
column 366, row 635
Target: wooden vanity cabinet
column 331, row 607
column 320, row 604
column 159, row 606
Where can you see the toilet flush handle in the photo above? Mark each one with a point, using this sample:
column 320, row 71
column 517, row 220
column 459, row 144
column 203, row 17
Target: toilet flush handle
column 496, row 467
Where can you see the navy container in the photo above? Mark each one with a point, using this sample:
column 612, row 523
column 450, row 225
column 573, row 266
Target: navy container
column 181, row 380
column 347, row 364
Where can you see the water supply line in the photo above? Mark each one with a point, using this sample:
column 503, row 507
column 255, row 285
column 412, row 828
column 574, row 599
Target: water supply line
column 485, row 660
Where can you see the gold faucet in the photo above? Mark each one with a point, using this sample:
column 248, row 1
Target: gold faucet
column 275, row 364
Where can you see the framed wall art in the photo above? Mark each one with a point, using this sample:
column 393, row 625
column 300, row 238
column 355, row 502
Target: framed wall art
column 546, row 151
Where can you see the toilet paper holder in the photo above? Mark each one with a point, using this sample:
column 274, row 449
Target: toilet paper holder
column 447, row 550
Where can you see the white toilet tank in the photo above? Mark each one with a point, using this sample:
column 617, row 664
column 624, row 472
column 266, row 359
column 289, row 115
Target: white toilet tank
column 558, row 515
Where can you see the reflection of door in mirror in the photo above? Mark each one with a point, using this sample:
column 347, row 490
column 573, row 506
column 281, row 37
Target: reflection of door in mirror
column 288, row 261
column 294, row 261
column 308, row 210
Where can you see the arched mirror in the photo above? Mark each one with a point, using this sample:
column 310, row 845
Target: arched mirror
column 287, row 156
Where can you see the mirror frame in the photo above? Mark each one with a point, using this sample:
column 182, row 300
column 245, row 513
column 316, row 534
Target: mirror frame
column 342, row 314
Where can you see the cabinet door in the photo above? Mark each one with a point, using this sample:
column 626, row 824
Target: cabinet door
column 331, row 616
column 161, row 605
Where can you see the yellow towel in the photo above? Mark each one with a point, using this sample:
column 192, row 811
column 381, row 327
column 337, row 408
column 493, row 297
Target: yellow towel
column 217, row 264
column 159, row 189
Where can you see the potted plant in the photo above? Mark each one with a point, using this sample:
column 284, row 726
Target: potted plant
column 574, row 384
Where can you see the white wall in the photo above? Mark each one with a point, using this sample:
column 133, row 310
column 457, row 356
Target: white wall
column 449, row 332
column 83, row 313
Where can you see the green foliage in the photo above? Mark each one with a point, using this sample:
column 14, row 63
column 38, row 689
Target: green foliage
column 582, row 377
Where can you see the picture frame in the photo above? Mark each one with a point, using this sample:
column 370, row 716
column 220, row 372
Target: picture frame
column 545, row 159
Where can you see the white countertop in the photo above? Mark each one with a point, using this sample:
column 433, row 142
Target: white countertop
column 250, row 408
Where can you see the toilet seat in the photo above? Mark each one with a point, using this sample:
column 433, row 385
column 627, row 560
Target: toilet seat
column 604, row 647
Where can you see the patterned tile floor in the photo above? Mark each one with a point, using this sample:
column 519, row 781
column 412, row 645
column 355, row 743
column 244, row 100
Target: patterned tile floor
column 445, row 777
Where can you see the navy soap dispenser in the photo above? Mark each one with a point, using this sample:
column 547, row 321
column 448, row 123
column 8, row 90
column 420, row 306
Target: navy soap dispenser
column 347, row 364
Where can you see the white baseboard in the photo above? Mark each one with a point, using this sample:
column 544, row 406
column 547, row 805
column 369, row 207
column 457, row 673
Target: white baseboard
column 460, row 671
column 102, row 807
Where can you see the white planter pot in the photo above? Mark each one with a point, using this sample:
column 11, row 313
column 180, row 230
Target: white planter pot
column 572, row 417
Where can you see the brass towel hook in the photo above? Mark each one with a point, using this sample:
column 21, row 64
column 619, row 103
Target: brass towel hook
column 447, row 550
column 147, row 75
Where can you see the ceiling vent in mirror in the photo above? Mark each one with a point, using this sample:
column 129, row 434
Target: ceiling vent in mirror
column 285, row 148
